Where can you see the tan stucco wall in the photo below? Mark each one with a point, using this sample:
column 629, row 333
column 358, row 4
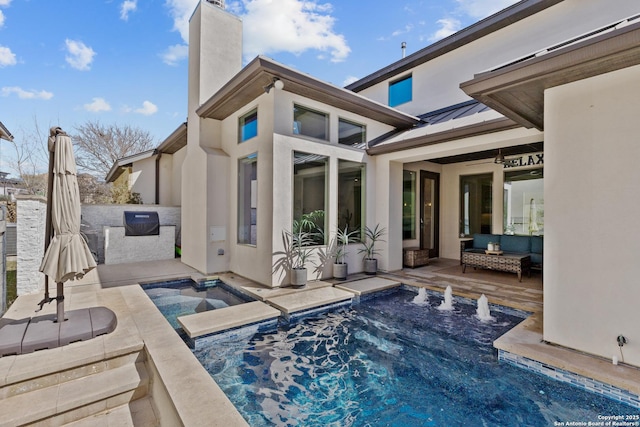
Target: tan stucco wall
column 591, row 290
column 143, row 179
column 436, row 83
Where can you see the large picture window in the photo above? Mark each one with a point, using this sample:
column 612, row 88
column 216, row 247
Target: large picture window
column 475, row 204
column 248, row 126
column 524, row 202
column 247, row 199
column 310, row 123
column 408, row 205
column 351, row 194
column 350, row 133
column 310, row 173
column 400, row 91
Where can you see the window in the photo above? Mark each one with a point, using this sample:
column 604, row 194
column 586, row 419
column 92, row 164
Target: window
column 408, row 205
column 310, row 123
column 351, row 194
column 350, row 133
column 524, row 202
column 248, row 126
column 310, row 173
column 247, row 199
column 400, row 91
column 475, row 204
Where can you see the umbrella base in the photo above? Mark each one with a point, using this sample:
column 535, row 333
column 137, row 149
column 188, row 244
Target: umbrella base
column 44, row 332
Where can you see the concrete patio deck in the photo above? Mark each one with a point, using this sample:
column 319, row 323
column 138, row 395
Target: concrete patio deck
column 172, row 377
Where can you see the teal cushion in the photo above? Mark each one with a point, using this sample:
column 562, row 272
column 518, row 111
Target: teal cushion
column 536, row 244
column 480, row 241
column 518, row 244
column 536, row 259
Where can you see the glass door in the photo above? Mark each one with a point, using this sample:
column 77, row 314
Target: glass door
column 429, row 212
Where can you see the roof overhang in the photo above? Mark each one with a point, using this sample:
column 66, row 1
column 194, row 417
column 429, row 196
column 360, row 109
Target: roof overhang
column 4, row 133
column 517, row 90
column 175, row 141
column 252, row 80
column 476, row 129
column 491, row 24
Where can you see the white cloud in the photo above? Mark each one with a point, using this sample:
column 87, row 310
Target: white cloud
column 349, row 80
column 148, row 108
column 80, row 56
column 405, row 30
column 1, row 18
column 479, row 9
column 448, row 26
column 181, row 11
column 97, row 105
column 5, row 3
column 126, row 7
column 275, row 26
column 175, row 54
column 7, row 57
column 26, row 94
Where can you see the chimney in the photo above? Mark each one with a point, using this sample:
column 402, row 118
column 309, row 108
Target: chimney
column 219, row 3
column 404, row 48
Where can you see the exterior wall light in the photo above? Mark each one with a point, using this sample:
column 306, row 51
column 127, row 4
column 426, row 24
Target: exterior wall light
column 276, row 82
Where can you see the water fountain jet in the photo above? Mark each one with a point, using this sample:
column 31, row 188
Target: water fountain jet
column 447, row 304
column 422, row 298
column 482, row 312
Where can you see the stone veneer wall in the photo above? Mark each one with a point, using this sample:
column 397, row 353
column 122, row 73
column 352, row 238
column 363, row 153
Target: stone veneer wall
column 32, row 212
column 122, row 249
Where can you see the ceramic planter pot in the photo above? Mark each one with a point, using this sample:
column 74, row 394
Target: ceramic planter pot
column 370, row 266
column 298, row 277
column 340, row 271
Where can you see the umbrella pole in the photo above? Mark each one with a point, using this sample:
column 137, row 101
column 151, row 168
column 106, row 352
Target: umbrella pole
column 60, row 302
column 48, row 232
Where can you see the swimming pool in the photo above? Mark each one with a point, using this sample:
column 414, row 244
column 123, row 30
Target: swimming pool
column 388, row 361
column 185, row 296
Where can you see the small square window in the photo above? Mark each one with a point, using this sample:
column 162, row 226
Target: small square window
column 400, row 91
column 310, row 123
column 350, row 133
column 248, row 126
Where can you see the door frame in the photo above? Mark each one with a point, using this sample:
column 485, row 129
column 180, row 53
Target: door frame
column 424, row 175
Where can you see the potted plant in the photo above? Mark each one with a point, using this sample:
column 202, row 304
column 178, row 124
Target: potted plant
column 294, row 256
column 369, row 251
column 343, row 238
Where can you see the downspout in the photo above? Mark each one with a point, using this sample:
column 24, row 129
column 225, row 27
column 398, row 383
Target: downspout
column 157, row 186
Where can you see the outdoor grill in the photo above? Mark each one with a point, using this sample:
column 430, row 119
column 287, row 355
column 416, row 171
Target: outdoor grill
column 141, row 223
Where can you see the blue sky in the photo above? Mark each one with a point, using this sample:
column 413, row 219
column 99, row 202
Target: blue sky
column 123, row 62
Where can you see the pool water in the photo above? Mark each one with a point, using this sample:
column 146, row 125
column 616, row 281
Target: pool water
column 390, row 362
column 181, row 297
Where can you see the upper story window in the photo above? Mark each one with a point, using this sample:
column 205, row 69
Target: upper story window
column 350, row 133
column 248, row 126
column 400, row 91
column 310, row 123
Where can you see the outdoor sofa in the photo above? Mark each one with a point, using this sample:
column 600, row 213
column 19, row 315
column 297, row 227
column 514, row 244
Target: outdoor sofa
column 509, row 244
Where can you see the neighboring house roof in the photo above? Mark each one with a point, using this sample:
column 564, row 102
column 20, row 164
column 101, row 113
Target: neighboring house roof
column 118, row 167
column 4, row 133
column 606, row 49
column 253, row 80
column 493, row 23
column 173, row 143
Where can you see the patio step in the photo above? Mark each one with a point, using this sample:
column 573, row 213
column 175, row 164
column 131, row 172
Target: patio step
column 66, row 397
column 138, row 413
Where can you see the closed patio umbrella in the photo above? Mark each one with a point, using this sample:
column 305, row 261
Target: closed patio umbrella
column 67, row 256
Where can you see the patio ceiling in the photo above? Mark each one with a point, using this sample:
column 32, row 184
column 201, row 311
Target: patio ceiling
column 251, row 82
column 517, row 89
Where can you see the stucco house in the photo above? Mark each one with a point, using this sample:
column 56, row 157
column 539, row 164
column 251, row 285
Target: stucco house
column 523, row 123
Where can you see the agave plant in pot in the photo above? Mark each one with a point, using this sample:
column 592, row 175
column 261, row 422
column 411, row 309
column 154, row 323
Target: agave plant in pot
column 369, row 251
column 342, row 240
column 294, row 256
